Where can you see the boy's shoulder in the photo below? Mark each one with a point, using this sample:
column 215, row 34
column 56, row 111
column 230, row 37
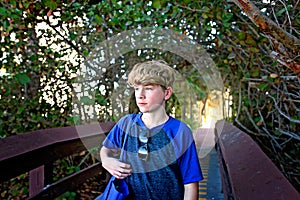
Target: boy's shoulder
column 129, row 118
column 175, row 123
column 175, row 120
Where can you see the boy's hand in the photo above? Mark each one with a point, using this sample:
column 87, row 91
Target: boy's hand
column 113, row 165
column 116, row 168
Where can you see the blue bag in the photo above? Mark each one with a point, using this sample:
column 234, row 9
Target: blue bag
column 116, row 189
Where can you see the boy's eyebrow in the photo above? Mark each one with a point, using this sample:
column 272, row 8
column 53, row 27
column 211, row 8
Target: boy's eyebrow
column 147, row 84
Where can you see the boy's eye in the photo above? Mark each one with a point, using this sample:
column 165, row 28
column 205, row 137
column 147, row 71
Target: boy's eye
column 136, row 88
column 148, row 88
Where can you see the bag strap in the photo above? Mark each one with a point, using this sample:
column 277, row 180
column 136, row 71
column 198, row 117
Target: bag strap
column 122, row 154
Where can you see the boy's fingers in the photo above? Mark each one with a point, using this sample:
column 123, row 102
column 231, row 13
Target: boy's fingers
column 117, row 168
column 125, row 166
column 125, row 171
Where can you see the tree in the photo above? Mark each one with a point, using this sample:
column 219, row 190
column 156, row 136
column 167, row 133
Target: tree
column 267, row 104
column 44, row 43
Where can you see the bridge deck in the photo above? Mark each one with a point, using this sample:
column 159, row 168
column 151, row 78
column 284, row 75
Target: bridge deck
column 211, row 186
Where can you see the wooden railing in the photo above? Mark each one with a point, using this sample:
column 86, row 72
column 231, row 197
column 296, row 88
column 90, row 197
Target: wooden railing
column 247, row 173
column 35, row 152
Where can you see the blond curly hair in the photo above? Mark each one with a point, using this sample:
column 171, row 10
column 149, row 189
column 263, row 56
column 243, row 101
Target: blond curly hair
column 152, row 72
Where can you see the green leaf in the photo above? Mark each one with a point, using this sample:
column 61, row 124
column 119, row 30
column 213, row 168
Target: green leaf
column 257, row 119
column 5, row 25
column 33, row 57
column 228, row 17
column 22, row 78
column 50, row 4
column 73, row 119
column 254, row 49
column 86, row 52
column 26, row 4
column 21, row 108
column 219, row 42
column 76, row 4
column 251, row 41
column 101, row 100
column 247, row 102
column 12, row 2
column 280, row 12
column 72, row 35
column 241, row 35
column 231, row 55
column 156, row 4
column 227, row 24
column 255, row 72
column 263, row 86
column 277, row 133
column 204, row 16
column 86, row 100
column 98, row 19
column 3, row 12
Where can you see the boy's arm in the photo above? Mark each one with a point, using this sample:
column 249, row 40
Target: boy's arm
column 191, row 191
column 112, row 164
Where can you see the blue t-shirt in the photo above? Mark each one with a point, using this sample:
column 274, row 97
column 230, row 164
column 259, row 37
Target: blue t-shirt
column 172, row 157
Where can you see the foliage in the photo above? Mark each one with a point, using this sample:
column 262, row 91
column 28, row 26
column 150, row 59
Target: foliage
column 265, row 92
column 44, row 43
column 17, row 187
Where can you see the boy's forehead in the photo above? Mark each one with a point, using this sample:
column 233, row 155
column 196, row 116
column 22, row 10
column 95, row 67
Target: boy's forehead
column 146, row 84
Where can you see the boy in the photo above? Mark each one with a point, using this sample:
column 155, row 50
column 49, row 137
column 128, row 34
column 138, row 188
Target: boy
column 160, row 156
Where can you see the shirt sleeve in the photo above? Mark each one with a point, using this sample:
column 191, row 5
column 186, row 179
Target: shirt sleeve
column 114, row 137
column 188, row 158
column 190, row 165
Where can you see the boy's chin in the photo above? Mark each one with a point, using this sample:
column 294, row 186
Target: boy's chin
column 144, row 111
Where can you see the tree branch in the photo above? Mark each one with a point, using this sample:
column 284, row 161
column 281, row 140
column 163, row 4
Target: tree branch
column 267, row 25
column 281, row 112
column 272, row 30
column 289, row 63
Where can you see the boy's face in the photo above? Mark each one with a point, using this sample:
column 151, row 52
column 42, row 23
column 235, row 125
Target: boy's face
column 151, row 97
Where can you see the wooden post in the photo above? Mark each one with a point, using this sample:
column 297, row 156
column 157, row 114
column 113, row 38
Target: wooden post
column 36, row 180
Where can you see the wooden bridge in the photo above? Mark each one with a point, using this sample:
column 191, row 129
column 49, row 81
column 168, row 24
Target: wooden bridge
column 234, row 168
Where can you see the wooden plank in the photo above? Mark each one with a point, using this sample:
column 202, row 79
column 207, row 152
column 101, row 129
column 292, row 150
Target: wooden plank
column 251, row 173
column 69, row 183
column 28, row 151
column 25, row 162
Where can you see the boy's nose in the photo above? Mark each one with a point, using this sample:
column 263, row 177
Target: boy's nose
column 140, row 94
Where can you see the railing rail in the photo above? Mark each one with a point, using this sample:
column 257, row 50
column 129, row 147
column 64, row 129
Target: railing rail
column 246, row 171
column 35, row 152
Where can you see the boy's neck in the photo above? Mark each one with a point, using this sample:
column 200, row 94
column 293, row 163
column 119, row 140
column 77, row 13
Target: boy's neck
column 152, row 120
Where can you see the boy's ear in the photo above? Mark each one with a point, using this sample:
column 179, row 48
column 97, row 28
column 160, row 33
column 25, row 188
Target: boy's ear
column 168, row 93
